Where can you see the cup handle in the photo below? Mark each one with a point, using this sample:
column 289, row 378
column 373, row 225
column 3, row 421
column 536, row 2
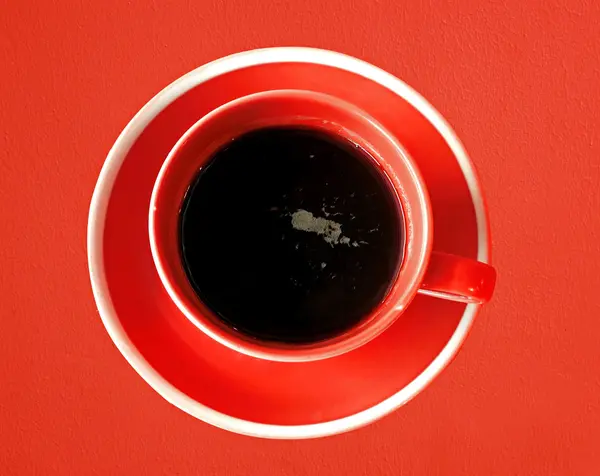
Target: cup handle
column 459, row 279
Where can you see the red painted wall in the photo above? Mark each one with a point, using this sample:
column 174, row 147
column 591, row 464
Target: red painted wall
column 518, row 81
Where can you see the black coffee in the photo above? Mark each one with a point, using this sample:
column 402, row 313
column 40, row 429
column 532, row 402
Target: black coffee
column 291, row 235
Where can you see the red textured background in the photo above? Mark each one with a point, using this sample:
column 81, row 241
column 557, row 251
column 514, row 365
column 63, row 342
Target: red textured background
column 518, row 80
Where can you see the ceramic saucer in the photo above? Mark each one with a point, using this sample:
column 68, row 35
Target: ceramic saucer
column 241, row 393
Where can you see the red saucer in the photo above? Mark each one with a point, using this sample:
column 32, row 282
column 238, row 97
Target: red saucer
column 242, row 393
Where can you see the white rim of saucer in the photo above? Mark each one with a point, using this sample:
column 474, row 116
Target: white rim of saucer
column 103, row 189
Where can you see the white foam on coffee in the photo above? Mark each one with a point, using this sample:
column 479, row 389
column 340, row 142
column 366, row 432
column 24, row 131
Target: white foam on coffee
column 330, row 230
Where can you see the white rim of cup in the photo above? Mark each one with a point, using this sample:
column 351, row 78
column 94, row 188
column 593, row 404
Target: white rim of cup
column 103, row 189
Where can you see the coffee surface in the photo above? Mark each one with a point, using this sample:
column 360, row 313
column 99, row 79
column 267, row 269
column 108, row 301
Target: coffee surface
column 290, row 235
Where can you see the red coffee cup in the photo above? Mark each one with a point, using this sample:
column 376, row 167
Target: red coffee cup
column 422, row 270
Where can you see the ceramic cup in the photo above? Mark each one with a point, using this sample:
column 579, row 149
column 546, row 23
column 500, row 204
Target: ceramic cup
column 421, row 270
